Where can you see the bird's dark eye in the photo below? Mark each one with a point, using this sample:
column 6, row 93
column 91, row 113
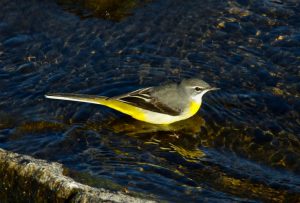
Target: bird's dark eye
column 197, row 89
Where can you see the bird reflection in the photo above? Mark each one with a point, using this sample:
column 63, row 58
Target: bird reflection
column 181, row 137
column 134, row 127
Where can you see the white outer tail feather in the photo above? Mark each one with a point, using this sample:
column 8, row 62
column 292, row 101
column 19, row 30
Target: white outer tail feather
column 76, row 97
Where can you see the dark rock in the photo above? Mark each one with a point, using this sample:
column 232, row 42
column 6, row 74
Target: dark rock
column 25, row 179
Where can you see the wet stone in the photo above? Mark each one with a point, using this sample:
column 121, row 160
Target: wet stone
column 34, row 180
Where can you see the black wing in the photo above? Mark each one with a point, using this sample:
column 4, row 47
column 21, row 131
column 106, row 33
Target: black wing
column 142, row 98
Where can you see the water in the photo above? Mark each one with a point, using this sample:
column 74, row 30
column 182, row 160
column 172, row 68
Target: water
column 243, row 145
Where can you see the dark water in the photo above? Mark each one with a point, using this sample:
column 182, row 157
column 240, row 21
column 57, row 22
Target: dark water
column 244, row 143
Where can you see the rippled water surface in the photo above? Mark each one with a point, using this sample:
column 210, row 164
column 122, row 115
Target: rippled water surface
column 243, row 145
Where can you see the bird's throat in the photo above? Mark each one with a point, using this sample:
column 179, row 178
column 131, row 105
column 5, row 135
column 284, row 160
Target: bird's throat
column 194, row 107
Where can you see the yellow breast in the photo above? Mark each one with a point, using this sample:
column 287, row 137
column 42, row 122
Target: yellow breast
column 194, row 107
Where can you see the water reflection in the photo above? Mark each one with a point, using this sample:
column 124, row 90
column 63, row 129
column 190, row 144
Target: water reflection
column 180, row 137
column 132, row 127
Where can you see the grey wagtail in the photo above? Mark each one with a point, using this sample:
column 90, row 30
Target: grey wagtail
column 158, row 105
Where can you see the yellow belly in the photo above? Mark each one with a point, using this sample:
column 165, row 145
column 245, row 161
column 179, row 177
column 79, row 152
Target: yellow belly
column 133, row 111
column 148, row 116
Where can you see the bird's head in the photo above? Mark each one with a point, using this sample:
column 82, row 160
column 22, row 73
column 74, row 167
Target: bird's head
column 196, row 88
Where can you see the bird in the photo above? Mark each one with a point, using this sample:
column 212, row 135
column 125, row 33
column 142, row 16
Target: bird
column 163, row 104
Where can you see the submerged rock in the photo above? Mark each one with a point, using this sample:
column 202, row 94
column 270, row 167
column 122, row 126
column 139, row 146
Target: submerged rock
column 115, row 10
column 24, row 178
